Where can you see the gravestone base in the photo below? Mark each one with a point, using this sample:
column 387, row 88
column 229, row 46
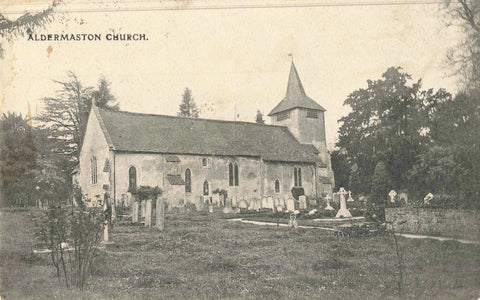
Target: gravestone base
column 329, row 207
column 343, row 212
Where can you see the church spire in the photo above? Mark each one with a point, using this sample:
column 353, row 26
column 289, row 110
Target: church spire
column 294, row 87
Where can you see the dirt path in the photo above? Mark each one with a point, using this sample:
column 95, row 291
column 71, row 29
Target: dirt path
column 405, row 235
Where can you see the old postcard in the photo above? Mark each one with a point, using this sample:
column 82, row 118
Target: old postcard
column 240, row 149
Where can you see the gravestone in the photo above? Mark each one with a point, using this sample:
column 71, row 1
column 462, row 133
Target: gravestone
column 293, row 219
column 290, row 205
column 148, row 213
column 428, row 198
column 210, row 208
column 328, row 207
column 135, row 212
column 392, row 195
column 227, row 210
column 234, row 201
column 216, row 199
column 312, row 202
column 144, row 208
column 312, row 212
column 350, row 199
column 199, row 204
column 281, row 202
column 242, row 204
column 270, row 203
column 343, row 211
column 105, row 232
column 160, row 214
column 264, row 202
column 279, row 208
column 403, row 198
column 302, row 202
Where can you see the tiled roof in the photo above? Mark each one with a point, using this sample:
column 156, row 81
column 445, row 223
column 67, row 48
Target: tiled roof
column 136, row 132
column 295, row 96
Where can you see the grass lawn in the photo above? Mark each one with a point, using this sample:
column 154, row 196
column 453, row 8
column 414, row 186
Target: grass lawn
column 207, row 256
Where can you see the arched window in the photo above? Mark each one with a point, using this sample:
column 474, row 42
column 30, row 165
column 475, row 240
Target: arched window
column 206, row 191
column 93, row 169
column 277, row 186
column 297, row 176
column 188, row 181
column 232, row 174
column 132, row 179
column 235, row 173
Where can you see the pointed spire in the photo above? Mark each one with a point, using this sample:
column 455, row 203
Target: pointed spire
column 295, row 96
column 294, row 87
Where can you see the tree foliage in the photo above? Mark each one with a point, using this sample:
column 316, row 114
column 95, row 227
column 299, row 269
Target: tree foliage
column 65, row 115
column 18, row 156
column 25, row 24
column 72, row 234
column 188, row 108
column 340, row 167
column 465, row 58
column 389, row 122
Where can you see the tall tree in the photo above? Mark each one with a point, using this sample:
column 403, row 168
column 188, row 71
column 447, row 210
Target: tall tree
column 466, row 56
column 103, row 96
column 259, row 118
column 18, row 155
column 188, row 108
column 340, row 167
column 65, row 115
column 389, row 122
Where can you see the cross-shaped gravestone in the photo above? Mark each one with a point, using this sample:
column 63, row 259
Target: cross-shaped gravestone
column 343, row 212
column 328, row 207
column 392, row 195
column 350, row 199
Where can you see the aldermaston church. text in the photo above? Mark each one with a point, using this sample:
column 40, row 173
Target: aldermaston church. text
column 190, row 158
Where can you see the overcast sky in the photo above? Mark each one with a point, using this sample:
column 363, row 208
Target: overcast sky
column 230, row 55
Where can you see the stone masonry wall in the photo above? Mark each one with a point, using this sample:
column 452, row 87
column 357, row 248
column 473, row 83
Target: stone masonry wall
column 440, row 222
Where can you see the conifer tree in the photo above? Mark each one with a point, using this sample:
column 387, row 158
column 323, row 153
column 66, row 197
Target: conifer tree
column 188, row 108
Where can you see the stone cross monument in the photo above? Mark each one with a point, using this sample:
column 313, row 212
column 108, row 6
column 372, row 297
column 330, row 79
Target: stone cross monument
column 328, row 207
column 343, row 212
column 392, row 195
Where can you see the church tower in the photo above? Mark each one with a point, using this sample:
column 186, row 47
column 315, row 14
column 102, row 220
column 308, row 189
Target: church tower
column 305, row 119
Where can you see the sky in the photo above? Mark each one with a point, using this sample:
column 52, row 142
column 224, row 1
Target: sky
column 232, row 55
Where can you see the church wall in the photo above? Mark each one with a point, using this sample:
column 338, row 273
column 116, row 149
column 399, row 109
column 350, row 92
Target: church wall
column 94, row 145
column 152, row 170
column 284, row 173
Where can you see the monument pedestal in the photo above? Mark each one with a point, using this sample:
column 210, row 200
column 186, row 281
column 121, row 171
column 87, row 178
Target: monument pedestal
column 343, row 212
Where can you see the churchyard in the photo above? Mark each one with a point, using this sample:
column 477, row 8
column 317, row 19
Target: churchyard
column 207, row 255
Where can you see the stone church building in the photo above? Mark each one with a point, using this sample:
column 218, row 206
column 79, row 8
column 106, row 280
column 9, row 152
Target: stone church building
column 189, row 159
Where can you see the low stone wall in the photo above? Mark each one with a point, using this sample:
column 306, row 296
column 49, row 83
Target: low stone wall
column 454, row 223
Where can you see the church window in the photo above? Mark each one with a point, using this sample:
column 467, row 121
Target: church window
column 277, row 186
column 132, row 179
column 312, row 114
column 297, row 176
column 206, row 191
column 188, row 181
column 232, row 174
column 284, row 115
column 93, row 169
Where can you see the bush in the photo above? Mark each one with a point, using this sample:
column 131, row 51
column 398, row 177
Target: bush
column 297, row 192
column 77, row 229
column 221, row 192
column 147, row 192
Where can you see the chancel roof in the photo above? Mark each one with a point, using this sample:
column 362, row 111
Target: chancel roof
column 295, row 95
column 135, row 132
